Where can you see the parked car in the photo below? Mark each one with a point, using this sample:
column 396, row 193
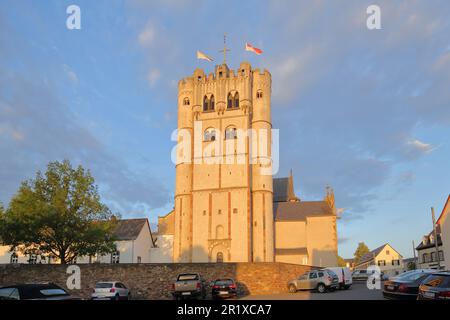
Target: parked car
column 320, row 280
column 189, row 285
column 110, row 290
column 223, row 288
column 35, row 291
column 435, row 287
column 410, row 272
column 344, row 276
column 361, row 274
column 405, row 286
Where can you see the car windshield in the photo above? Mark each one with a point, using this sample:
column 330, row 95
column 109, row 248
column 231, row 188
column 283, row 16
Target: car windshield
column 224, row 282
column 103, row 285
column 53, row 292
column 185, row 277
column 412, row 276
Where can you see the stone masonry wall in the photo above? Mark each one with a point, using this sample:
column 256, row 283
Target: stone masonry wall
column 153, row 281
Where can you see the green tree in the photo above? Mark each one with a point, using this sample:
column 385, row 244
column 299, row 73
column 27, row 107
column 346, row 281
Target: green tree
column 59, row 214
column 360, row 251
column 341, row 262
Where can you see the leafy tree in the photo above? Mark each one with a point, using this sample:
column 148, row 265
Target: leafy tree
column 59, row 214
column 411, row 265
column 360, row 251
column 341, row 262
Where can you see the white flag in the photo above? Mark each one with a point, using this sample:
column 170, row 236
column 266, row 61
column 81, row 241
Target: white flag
column 201, row 55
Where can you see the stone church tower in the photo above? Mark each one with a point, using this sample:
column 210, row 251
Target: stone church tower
column 224, row 209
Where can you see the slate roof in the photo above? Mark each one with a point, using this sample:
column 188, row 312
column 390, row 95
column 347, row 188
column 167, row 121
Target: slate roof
column 430, row 244
column 283, row 189
column 289, row 251
column 298, row 211
column 129, row 229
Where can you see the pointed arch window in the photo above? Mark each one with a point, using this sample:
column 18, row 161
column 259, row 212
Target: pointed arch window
column 230, row 101
column 236, row 100
column 211, row 103
column 205, row 103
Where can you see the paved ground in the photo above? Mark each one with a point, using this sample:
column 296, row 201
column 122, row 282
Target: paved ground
column 358, row 291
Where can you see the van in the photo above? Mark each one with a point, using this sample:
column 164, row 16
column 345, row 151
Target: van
column 344, row 275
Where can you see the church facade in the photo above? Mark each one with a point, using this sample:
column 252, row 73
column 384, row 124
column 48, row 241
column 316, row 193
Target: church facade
column 228, row 207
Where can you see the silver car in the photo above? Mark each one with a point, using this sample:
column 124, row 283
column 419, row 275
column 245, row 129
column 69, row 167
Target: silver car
column 320, row 280
column 110, row 290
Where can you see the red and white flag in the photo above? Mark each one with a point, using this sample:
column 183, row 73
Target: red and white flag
column 249, row 47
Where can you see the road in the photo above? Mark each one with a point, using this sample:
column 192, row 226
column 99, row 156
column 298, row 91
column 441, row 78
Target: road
column 358, row 291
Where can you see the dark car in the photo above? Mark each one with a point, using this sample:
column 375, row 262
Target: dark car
column 224, row 288
column 404, row 287
column 35, row 291
column 435, row 287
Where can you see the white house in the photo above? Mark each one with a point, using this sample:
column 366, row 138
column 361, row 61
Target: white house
column 385, row 257
column 134, row 241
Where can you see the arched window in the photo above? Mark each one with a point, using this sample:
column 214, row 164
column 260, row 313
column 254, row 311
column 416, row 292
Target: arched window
column 230, row 101
column 219, row 232
column 230, row 133
column 219, row 257
column 209, row 135
column 236, row 100
column 211, row 103
column 205, row 103
column 186, row 102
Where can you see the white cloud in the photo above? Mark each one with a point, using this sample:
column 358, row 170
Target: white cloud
column 153, row 77
column 420, row 146
column 147, row 36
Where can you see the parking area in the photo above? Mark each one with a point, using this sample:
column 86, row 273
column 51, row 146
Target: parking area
column 358, row 291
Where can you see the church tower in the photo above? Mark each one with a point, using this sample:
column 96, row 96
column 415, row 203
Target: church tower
column 224, row 193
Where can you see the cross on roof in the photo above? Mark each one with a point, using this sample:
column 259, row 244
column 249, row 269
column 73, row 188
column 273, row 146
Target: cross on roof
column 225, row 49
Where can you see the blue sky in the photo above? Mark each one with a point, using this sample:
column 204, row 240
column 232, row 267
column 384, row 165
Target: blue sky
column 367, row 112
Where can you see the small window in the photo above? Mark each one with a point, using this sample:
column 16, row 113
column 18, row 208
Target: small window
column 230, row 101
column 139, row 259
column 381, row 262
column 236, row 100
column 211, row 103
column 219, row 257
column 32, row 259
column 259, row 94
column 205, row 103
column 204, row 212
column 186, row 101
column 313, row 275
column 115, row 257
column 220, row 74
column 199, row 78
column 235, row 210
column 209, row 135
column 441, row 255
column 14, row 258
column 388, row 252
column 219, row 212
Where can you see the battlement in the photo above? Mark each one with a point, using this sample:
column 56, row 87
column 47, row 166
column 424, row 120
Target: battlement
column 222, row 72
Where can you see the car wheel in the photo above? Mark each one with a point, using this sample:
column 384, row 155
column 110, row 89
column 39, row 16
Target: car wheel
column 292, row 288
column 117, row 297
column 321, row 288
column 346, row 287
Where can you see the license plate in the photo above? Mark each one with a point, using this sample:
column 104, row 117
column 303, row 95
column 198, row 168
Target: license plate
column 186, row 293
column 390, row 287
column 223, row 292
column 429, row 294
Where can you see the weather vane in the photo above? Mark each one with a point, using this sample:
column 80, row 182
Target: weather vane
column 224, row 49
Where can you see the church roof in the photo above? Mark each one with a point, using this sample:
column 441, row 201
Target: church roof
column 129, row 229
column 299, row 211
column 283, row 189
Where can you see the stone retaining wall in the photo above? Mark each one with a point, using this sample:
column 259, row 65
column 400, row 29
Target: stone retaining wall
column 153, row 281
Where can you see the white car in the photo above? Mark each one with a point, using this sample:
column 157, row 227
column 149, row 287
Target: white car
column 110, row 290
column 344, row 275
